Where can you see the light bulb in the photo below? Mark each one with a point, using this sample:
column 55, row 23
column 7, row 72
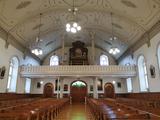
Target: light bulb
column 32, row 51
column 41, row 82
column 114, row 52
column 114, row 38
column 79, row 28
column 40, row 52
column 68, row 25
column 113, row 82
column 111, row 51
column 73, row 30
column 75, row 24
column 110, row 39
column 68, row 29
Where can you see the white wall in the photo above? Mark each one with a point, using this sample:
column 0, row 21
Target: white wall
column 68, row 81
column 5, row 56
column 151, row 59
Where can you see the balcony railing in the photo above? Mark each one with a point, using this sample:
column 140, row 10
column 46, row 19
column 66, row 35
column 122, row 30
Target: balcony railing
column 88, row 70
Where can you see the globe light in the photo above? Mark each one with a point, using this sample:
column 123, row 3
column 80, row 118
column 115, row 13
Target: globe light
column 73, row 27
column 114, row 50
column 68, row 29
column 75, row 24
column 68, row 25
column 73, row 30
column 79, row 28
column 113, row 82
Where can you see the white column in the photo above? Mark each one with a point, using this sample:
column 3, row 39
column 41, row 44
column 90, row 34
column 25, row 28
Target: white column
column 61, row 88
column 58, row 89
column 92, row 34
column 63, row 47
column 95, row 92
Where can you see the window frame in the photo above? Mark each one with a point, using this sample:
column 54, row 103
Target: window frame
column 145, row 74
column 8, row 87
column 51, row 58
column 104, row 56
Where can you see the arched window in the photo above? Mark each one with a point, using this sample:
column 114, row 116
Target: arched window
column 129, row 84
column 158, row 55
column 27, row 85
column 142, row 74
column 104, row 60
column 12, row 76
column 54, row 60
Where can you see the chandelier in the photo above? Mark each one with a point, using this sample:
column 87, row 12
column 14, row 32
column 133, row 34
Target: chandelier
column 73, row 26
column 37, row 50
column 113, row 50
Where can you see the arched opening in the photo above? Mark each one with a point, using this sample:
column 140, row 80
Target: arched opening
column 142, row 70
column 78, row 91
column 104, row 60
column 48, row 90
column 109, row 90
column 13, row 73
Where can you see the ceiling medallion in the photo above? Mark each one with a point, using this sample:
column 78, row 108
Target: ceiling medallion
column 73, row 25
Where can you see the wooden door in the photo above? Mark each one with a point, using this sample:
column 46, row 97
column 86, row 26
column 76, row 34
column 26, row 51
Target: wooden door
column 48, row 90
column 109, row 90
column 78, row 93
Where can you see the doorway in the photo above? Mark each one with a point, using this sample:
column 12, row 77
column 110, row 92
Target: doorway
column 48, row 90
column 78, row 91
column 109, row 90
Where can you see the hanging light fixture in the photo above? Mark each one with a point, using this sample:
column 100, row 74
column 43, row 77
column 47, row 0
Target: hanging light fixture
column 37, row 50
column 73, row 26
column 113, row 50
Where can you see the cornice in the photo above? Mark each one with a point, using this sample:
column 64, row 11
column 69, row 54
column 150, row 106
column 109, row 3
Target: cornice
column 144, row 39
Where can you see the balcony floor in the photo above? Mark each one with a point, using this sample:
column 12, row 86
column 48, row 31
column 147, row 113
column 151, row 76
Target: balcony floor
column 76, row 111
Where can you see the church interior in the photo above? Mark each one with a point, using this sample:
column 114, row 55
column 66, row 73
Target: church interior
column 79, row 59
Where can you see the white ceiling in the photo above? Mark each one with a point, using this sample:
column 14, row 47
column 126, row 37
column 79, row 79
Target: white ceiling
column 131, row 19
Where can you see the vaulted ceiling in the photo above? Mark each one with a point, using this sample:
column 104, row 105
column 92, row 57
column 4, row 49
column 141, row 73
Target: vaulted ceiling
column 131, row 19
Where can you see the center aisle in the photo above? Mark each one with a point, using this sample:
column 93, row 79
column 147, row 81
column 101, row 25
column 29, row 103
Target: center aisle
column 75, row 111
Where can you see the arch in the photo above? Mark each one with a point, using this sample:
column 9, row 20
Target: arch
column 13, row 73
column 78, row 91
column 104, row 60
column 48, row 90
column 142, row 71
column 109, row 90
column 54, row 60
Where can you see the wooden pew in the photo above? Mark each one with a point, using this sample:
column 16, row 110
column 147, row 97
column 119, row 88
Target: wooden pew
column 110, row 110
column 45, row 109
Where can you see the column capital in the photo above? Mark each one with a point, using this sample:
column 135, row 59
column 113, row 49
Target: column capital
column 92, row 35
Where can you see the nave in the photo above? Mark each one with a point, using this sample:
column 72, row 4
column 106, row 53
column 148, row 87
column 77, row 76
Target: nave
column 75, row 111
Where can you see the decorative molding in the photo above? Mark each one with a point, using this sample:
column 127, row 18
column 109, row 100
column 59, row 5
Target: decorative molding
column 145, row 39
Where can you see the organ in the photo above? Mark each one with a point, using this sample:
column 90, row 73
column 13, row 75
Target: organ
column 78, row 54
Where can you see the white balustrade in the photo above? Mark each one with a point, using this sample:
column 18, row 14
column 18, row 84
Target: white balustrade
column 88, row 70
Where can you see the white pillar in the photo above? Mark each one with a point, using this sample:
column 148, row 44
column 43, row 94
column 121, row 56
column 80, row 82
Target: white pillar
column 92, row 34
column 58, row 89
column 63, row 46
column 61, row 88
column 95, row 92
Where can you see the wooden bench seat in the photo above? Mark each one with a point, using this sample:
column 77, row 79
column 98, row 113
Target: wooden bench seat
column 45, row 109
column 110, row 110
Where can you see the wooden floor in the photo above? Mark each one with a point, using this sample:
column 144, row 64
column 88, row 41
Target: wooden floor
column 76, row 111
